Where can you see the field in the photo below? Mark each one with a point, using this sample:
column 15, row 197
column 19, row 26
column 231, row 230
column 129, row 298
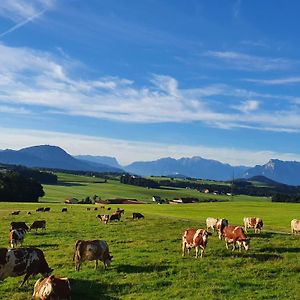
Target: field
column 147, row 261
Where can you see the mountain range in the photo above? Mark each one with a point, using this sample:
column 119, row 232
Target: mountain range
column 53, row 157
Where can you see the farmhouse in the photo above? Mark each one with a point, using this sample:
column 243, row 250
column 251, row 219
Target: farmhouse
column 119, row 201
column 71, row 201
column 184, row 200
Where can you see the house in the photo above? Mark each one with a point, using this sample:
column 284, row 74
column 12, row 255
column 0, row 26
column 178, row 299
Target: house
column 71, row 201
column 184, row 200
column 156, row 199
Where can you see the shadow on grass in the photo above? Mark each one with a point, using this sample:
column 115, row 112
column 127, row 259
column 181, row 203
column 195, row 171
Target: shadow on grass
column 260, row 256
column 281, row 249
column 262, row 235
column 91, row 290
column 65, row 183
column 166, row 188
column 46, row 245
column 141, row 269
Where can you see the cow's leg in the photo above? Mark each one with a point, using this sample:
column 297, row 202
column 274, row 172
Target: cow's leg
column 96, row 264
column 233, row 246
column 202, row 252
column 183, row 248
column 197, row 251
column 226, row 243
column 27, row 275
column 77, row 266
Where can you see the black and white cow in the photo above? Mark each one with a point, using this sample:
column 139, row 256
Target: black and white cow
column 20, row 261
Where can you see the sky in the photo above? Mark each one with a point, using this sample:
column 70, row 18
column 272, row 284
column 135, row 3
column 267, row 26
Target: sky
column 144, row 79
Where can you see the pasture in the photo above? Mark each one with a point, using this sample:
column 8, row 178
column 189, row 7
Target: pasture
column 147, row 261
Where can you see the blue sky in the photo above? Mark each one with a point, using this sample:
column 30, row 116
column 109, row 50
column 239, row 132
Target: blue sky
column 144, row 79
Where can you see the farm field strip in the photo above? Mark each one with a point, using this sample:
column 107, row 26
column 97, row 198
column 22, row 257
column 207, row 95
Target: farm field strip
column 147, row 261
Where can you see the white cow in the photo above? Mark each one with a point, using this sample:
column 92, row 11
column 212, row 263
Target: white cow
column 216, row 224
column 211, row 223
column 295, row 226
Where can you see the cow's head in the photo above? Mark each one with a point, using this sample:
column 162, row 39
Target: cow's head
column 246, row 244
column 107, row 262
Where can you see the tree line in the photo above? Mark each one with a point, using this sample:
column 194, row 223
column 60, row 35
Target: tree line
column 15, row 187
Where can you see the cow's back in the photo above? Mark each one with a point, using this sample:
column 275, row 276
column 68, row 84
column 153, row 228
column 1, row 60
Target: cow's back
column 188, row 235
column 234, row 233
column 91, row 250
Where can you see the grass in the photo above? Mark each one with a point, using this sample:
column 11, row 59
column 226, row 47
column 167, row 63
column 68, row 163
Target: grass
column 147, row 261
column 81, row 187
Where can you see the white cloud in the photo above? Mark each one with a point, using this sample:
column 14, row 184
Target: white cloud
column 279, row 81
column 241, row 61
column 33, row 79
column 22, row 12
column 19, row 10
column 129, row 151
column 247, row 106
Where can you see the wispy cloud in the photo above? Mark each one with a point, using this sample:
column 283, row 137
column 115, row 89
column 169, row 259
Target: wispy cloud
column 247, row 106
column 279, row 81
column 33, row 80
column 237, row 8
column 241, row 61
column 21, row 12
column 128, row 151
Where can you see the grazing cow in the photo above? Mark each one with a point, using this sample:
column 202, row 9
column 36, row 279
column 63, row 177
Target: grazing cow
column 136, row 216
column 109, row 208
column 96, row 208
column 20, row 261
column 236, row 235
column 38, row 224
column 16, row 236
column 221, row 224
column 18, row 225
column 216, row 224
column 295, row 226
column 29, row 213
column 88, row 208
column 115, row 217
column 52, row 288
column 40, row 209
column 103, row 218
column 256, row 223
column 120, row 211
column 211, row 223
column 46, row 209
column 91, row 250
column 64, row 209
column 15, row 212
column 194, row 238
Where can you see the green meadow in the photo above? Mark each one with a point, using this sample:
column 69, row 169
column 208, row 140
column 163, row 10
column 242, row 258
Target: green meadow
column 147, row 261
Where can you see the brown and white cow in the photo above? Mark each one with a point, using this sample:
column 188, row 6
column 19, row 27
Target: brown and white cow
column 20, row 261
column 253, row 222
column 194, row 238
column 91, row 250
column 16, row 236
column 52, row 288
column 235, row 235
column 103, row 218
column 39, row 224
column 116, row 216
column 295, row 226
